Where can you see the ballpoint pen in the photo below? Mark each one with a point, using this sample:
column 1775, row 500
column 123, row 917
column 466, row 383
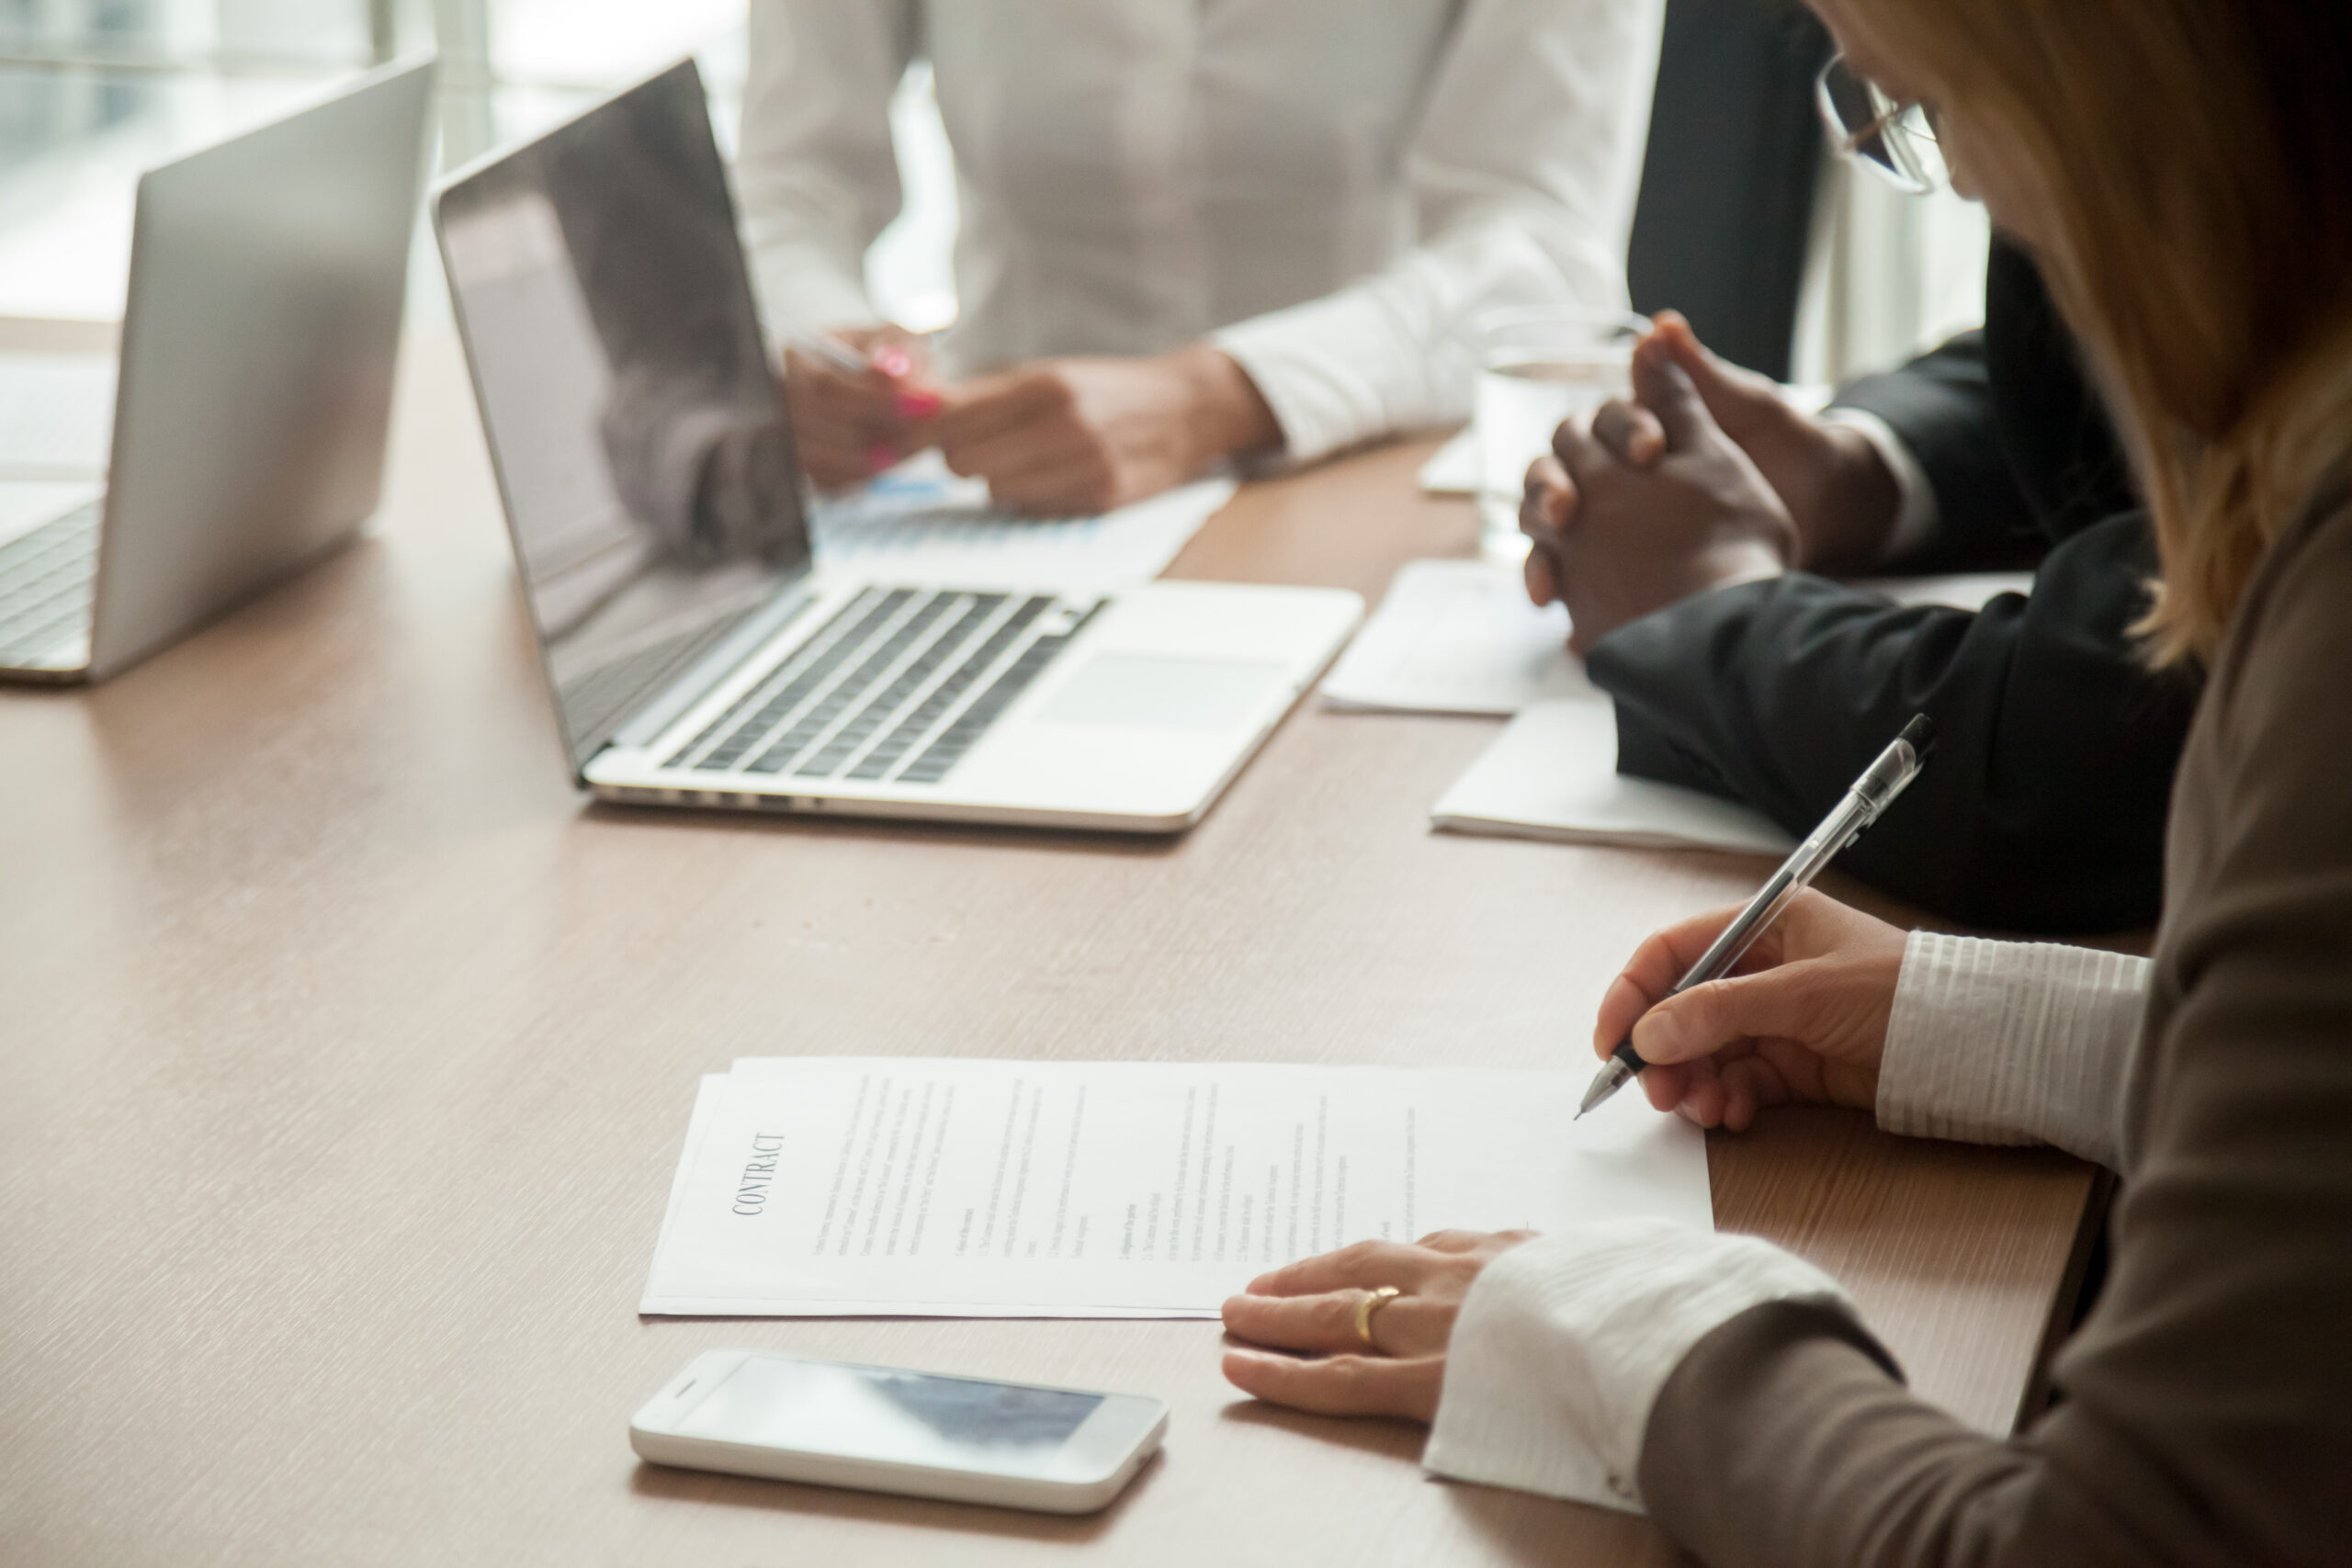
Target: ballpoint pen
column 1870, row 794
column 833, row 352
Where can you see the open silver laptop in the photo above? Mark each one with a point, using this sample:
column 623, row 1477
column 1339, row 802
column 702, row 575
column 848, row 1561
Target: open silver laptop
column 253, row 392
column 699, row 656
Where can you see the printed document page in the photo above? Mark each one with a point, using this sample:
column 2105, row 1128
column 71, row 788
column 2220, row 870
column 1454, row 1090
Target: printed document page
column 846, row 1186
column 1552, row 774
column 924, row 521
column 1456, row 636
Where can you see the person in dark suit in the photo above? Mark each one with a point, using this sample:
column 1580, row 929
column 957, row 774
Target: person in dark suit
column 1685, row 532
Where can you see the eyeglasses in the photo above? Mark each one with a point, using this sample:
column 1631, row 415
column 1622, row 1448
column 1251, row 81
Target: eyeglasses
column 1895, row 140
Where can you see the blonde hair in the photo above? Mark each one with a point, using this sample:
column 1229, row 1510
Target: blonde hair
column 2196, row 160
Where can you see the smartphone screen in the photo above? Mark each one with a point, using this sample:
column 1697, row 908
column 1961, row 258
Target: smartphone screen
column 880, row 1414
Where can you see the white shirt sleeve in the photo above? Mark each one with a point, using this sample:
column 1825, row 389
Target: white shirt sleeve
column 817, row 176
column 1564, row 1343
column 1523, row 177
column 1917, row 516
column 2012, row 1042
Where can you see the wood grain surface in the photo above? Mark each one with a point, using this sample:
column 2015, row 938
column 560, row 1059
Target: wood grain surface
column 346, row 1055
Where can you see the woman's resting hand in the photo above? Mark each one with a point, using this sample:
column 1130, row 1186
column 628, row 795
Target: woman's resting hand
column 1310, row 1306
column 1802, row 1019
column 1066, row 437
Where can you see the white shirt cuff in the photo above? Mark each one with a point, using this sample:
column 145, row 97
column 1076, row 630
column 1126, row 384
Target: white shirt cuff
column 1308, row 363
column 1564, row 1343
column 2011, row 1042
column 801, row 293
column 1916, row 516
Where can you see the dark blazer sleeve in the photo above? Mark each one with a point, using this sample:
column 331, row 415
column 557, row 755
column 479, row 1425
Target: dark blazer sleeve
column 1941, row 407
column 2044, row 808
column 2004, row 422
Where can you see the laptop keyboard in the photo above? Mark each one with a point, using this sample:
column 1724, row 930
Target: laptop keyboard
column 47, row 580
column 898, row 687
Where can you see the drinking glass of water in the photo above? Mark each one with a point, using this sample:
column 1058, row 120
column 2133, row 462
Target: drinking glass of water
column 1537, row 367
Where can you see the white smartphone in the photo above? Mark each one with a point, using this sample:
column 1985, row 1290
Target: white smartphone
column 1063, row 1450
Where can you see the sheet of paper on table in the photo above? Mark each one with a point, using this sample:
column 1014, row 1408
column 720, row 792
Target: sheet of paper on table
column 922, row 520
column 1456, row 636
column 1452, row 468
column 843, row 1186
column 1552, row 774
column 56, row 414
column 1460, row 637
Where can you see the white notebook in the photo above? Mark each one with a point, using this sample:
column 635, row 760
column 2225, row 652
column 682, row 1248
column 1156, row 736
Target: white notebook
column 1552, row 774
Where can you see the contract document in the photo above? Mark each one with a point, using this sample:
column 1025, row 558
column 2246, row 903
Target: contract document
column 828, row 1186
column 925, row 523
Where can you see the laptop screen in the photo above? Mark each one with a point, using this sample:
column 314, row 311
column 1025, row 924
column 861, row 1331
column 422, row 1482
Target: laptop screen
column 640, row 439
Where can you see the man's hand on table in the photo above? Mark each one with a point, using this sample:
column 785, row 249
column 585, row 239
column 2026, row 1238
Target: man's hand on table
column 1706, row 477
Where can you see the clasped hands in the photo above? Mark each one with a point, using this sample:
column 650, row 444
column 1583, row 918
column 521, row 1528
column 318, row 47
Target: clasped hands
column 1800, row 1020
column 1704, row 479
column 1056, row 437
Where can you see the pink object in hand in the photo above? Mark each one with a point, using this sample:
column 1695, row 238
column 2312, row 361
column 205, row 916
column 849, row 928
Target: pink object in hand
column 892, row 361
column 918, row 405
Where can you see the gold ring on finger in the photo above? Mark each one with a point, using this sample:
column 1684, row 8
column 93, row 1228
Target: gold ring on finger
column 1372, row 1302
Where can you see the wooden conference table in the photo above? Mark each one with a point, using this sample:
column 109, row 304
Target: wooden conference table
column 345, row 1057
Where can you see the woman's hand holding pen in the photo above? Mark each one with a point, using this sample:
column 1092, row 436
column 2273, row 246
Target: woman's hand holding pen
column 1365, row 1331
column 850, row 425
column 1801, row 1019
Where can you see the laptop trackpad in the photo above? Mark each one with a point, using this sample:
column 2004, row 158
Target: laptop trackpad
column 1131, row 690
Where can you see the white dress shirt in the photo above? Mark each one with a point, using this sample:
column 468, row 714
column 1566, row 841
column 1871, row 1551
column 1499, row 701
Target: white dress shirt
column 1331, row 190
column 1563, row 1343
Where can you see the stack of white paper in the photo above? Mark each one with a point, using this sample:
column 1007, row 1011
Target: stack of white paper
column 831, row 1187
column 924, row 523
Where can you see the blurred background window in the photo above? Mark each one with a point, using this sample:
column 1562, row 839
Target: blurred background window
column 93, row 90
